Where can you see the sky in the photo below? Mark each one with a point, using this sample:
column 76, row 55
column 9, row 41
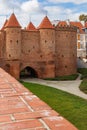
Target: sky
column 35, row 10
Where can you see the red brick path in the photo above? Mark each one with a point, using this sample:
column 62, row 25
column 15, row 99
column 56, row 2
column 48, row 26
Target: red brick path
column 22, row 110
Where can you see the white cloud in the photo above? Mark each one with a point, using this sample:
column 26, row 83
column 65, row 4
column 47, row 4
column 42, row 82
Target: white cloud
column 23, row 10
column 32, row 6
column 37, row 10
column 61, row 13
column 70, row 1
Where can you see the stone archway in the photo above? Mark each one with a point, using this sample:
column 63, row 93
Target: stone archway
column 28, row 72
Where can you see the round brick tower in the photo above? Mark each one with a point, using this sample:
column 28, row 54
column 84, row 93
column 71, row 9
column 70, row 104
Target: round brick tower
column 66, row 50
column 47, row 44
column 13, row 45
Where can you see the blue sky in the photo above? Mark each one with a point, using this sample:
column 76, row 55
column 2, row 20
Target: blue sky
column 37, row 9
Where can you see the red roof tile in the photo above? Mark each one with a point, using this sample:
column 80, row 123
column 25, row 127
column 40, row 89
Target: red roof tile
column 12, row 22
column 4, row 24
column 79, row 25
column 31, row 27
column 45, row 23
column 85, row 25
column 62, row 23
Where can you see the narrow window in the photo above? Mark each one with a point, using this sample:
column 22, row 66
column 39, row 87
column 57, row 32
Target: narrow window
column 62, row 55
column 17, row 41
column 45, row 41
column 65, row 66
column 9, row 55
column 41, row 56
column 10, row 41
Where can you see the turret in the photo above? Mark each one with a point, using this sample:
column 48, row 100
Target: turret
column 47, row 36
column 13, row 38
column 31, row 27
column 47, row 43
column 13, row 43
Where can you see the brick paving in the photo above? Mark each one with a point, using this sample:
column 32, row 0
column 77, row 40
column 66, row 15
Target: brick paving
column 22, row 110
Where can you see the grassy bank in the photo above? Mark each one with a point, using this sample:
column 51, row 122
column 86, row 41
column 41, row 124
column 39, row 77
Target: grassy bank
column 83, row 86
column 69, row 106
column 63, row 78
column 83, row 71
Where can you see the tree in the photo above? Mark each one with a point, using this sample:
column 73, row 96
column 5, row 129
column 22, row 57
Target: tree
column 83, row 17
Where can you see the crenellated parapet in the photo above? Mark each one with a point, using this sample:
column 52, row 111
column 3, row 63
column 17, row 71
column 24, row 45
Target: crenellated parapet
column 69, row 28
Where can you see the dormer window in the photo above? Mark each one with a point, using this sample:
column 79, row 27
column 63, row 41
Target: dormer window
column 78, row 30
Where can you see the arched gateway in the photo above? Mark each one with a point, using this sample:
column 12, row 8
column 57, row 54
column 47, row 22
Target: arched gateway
column 28, row 72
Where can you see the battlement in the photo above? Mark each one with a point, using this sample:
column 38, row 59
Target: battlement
column 66, row 28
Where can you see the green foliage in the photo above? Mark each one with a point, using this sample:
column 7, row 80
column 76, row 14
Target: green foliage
column 83, row 86
column 61, row 78
column 69, row 106
column 83, row 71
column 83, row 17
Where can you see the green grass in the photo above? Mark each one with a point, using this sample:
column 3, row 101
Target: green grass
column 83, row 71
column 71, row 107
column 83, row 86
column 61, row 78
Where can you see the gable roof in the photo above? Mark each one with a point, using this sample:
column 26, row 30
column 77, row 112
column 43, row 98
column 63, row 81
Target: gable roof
column 45, row 24
column 78, row 25
column 4, row 24
column 31, row 27
column 12, row 22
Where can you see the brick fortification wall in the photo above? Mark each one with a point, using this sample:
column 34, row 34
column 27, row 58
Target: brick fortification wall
column 66, row 51
column 50, row 51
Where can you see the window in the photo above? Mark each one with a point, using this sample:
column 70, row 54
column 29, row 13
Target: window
column 62, row 55
column 78, row 45
column 10, row 41
column 9, row 55
column 45, row 41
column 41, row 56
column 17, row 41
column 78, row 36
column 65, row 66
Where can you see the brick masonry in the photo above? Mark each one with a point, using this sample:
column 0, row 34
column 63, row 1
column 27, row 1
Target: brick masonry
column 50, row 51
column 20, row 109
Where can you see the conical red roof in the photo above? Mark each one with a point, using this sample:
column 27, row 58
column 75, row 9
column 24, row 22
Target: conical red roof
column 31, row 27
column 4, row 24
column 12, row 22
column 45, row 23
